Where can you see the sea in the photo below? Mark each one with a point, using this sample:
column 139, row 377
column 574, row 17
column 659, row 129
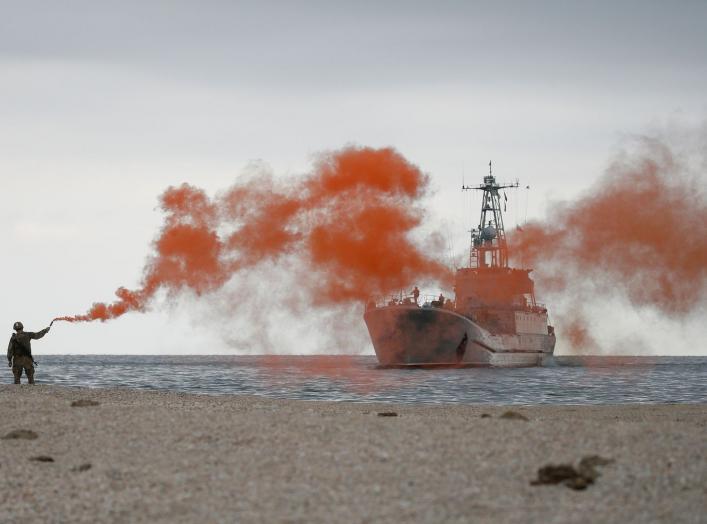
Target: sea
column 572, row 380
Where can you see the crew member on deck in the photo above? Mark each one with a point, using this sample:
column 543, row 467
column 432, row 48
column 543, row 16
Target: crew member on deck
column 415, row 294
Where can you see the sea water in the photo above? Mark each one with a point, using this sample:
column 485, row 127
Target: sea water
column 573, row 380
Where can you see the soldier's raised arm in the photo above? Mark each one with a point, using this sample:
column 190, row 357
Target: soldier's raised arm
column 38, row 334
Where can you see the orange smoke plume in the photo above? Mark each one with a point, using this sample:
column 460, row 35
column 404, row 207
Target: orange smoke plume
column 348, row 221
column 641, row 231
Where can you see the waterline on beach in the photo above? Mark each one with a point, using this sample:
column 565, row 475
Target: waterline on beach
column 575, row 380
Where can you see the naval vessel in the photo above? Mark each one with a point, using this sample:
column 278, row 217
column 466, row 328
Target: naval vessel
column 493, row 319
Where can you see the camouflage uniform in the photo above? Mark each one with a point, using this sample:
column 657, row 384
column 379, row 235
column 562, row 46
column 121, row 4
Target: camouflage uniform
column 19, row 353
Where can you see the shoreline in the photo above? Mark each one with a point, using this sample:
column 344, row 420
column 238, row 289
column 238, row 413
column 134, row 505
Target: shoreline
column 162, row 456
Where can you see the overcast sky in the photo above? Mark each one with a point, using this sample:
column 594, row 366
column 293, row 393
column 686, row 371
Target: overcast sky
column 103, row 104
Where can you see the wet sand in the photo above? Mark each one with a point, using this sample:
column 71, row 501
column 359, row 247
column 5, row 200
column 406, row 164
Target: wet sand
column 168, row 457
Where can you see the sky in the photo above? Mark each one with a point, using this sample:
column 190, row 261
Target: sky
column 105, row 104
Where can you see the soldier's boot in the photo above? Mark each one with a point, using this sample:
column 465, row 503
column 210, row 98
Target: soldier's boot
column 30, row 374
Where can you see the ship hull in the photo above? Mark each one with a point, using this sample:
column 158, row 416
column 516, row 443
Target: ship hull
column 428, row 336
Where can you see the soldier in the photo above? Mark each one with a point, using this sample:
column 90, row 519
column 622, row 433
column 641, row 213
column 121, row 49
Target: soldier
column 415, row 294
column 19, row 351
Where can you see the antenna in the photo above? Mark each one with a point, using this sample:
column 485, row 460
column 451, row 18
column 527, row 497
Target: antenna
column 527, row 192
column 488, row 242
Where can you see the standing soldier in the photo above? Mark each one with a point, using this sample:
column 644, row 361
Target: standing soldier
column 415, row 294
column 19, row 351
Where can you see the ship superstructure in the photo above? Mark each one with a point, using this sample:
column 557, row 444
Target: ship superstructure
column 493, row 320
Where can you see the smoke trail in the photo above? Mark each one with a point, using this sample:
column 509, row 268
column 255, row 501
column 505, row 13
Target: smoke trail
column 348, row 222
column 641, row 231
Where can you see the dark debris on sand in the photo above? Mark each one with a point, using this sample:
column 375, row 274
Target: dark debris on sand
column 514, row 415
column 82, row 467
column 42, row 458
column 83, row 403
column 26, row 434
column 576, row 478
column 387, row 414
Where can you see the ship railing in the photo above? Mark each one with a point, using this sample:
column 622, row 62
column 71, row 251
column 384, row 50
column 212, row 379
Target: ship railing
column 537, row 308
column 401, row 299
column 433, row 301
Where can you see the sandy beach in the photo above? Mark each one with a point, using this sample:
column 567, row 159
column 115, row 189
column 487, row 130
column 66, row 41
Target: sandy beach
column 136, row 456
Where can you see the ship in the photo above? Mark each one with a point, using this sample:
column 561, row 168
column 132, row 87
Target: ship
column 493, row 319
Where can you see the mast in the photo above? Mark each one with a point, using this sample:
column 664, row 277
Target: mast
column 488, row 241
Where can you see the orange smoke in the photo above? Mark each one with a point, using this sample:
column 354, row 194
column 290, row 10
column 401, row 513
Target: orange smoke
column 642, row 231
column 348, row 222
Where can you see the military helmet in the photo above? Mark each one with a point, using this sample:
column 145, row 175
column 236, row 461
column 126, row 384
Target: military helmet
column 17, row 326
